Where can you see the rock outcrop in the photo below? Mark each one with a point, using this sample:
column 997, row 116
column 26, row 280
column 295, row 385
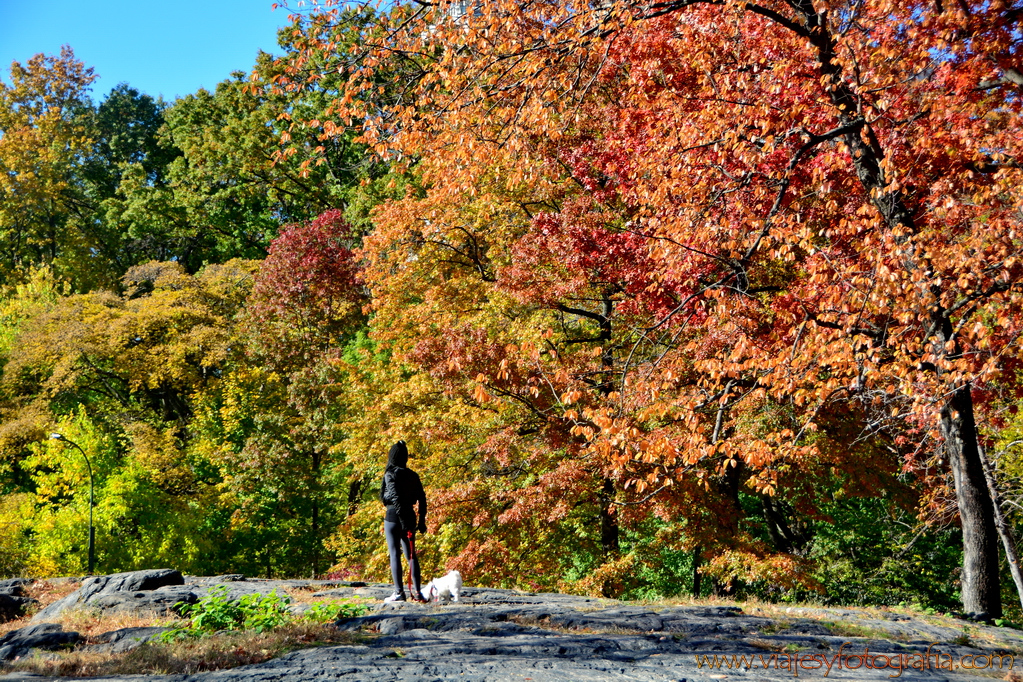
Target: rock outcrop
column 125, row 639
column 19, row 643
column 156, row 590
column 504, row 636
column 13, row 599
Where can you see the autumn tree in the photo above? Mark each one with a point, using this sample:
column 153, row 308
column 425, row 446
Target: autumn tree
column 289, row 462
column 43, row 140
column 231, row 183
column 122, row 375
column 67, row 162
column 827, row 194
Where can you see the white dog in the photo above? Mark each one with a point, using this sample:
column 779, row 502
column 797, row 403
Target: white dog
column 444, row 588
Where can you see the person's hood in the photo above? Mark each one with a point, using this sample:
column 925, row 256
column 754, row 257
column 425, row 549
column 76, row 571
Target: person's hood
column 398, row 456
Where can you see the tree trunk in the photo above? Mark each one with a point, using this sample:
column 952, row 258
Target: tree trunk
column 316, row 538
column 1004, row 531
column 697, row 576
column 609, row 531
column 315, row 520
column 354, row 495
column 980, row 589
column 980, row 580
column 608, row 521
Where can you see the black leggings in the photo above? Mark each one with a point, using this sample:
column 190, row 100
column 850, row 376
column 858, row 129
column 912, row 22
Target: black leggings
column 396, row 538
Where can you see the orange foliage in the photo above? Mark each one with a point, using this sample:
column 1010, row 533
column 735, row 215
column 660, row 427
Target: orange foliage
column 664, row 252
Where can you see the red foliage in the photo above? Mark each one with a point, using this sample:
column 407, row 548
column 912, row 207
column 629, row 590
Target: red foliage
column 309, row 291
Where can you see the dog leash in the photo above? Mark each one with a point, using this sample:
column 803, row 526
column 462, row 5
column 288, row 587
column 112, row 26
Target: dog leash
column 413, row 559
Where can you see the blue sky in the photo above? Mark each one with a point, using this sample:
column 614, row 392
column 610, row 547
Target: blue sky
column 161, row 47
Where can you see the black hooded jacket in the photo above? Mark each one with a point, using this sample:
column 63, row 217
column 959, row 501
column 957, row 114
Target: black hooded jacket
column 401, row 489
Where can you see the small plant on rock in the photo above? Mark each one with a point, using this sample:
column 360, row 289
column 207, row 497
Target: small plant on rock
column 963, row 639
column 329, row 611
column 263, row 613
column 256, row 612
column 216, row 611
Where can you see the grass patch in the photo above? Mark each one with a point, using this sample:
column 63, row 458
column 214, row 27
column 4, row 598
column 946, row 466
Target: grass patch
column 49, row 591
column 765, row 644
column 774, row 627
column 220, row 633
column 187, row 656
column 90, row 622
column 843, row 629
column 964, row 639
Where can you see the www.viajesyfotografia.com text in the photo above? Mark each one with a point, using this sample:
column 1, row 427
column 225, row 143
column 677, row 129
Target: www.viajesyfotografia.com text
column 849, row 659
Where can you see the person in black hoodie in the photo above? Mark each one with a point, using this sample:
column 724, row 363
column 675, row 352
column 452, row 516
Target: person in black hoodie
column 400, row 491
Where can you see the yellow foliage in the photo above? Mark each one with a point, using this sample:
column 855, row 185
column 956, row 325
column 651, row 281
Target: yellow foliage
column 14, row 524
column 610, row 579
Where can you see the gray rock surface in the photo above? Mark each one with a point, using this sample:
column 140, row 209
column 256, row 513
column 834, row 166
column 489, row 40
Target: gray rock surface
column 125, row 639
column 122, row 591
column 14, row 601
column 161, row 600
column 502, row 635
column 157, row 591
column 22, row 642
column 12, row 607
column 14, row 587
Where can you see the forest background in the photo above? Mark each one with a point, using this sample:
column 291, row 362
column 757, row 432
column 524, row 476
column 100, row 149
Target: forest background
column 667, row 298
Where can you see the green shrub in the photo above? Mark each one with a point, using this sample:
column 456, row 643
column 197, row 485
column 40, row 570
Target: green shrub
column 213, row 612
column 264, row 612
column 329, row 611
column 256, row 612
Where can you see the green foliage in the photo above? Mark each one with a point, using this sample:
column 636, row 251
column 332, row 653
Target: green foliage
column 665, row 568
column 264, row 612
column 213, row 612
column 14, row 528
column 872, row 552
column 256, row 612
column 116, row 374
column 216, row 611
column 329, row 611
column 229, row 183
column 137, row 523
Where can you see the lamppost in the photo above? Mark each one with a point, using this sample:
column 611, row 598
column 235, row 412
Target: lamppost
column 92, row 530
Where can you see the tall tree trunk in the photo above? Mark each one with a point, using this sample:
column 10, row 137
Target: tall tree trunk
column 316, row 538
column 980, row 589
column 1002, row 524
column 609, row 531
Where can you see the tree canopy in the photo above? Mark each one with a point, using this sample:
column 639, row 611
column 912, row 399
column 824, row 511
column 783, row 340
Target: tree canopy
column 695, row 288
